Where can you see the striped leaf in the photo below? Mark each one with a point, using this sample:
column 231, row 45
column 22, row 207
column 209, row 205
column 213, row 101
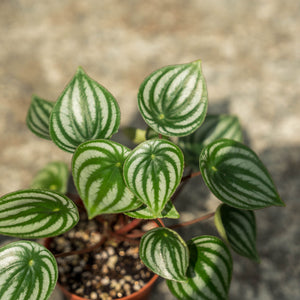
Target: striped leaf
column 84, row 111
column 97, row 168
column 152, row 172
column 173, row 99
column 54, row 176
column 236, row 176
column 36, row 214
column 28, row 271
column 213, row 128
column 164, row 252
column 144, row 212
column 209, row 271
column 38, row 117
column 238, row 228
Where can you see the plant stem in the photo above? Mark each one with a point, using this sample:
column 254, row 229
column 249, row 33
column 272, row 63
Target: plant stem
column 190, row 176
column 124, row 238
column 159, row 222
column 134, row 223
column 184, row 181
column 135, row 235
column 178, row 190
column 184, row 224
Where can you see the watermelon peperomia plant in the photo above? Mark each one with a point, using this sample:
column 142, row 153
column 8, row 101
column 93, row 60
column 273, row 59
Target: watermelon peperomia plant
column 140, row 183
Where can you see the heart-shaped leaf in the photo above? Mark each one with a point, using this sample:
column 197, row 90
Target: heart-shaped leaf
column 36, row 214
column 28, row 271
column 84, row 111
column 144, row 212
column 209, row 271
column 213, row 128
column 152, row 172
column 173, row 99
column 236, row 176
column 238, row 228
column 164, row 252
column 97, row 168
column 38, row 117
column 54, row 176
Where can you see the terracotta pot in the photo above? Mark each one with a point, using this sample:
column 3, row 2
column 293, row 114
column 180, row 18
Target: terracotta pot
column 141, row 294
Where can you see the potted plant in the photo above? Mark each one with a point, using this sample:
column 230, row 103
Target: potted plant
column 119, row 189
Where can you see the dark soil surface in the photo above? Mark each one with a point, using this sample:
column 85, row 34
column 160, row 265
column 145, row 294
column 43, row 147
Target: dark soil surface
column 110, row 272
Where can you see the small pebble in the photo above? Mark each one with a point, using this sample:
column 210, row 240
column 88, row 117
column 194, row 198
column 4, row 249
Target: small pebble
column 105, row 269
column 93, row 295
column 79, row 291
column 105, row 280
column 77, row 269
column 110, row 251
column 88, row 283
column 104, row 255
column 112, row 293
column 112, row 261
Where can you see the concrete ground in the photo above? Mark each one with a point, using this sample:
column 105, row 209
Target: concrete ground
column 251, row 59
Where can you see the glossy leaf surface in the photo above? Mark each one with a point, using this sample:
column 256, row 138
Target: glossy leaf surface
column 164, row 252
column 173, row 99
column 28, row 271
column 84, row 111
column 236, row 176
column 36, row 214
column 152, row 172
column 97, row 168
column 54, row 176
column 238, row 228
column 38, row 117
column 144, row 212
column 213, row 128
column 209, row 272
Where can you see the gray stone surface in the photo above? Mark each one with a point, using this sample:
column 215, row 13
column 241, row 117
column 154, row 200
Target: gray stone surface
column 250, row 53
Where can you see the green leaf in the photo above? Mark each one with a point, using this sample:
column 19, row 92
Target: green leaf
column 236, row 176
column 164, row 252
column 144, row 212
column 28, row 271
column 97, row 168
column 238, row 228
column 213, row 128
column 136, row 135
column 38, row 117
column 173, row 99
column 152, row 171
column 36, row 214
column 84, row 111
column 209, row 271
column 54, row 176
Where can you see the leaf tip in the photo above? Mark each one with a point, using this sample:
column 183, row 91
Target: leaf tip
column 279, row 202
column 80, row 70
column 197, row 63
